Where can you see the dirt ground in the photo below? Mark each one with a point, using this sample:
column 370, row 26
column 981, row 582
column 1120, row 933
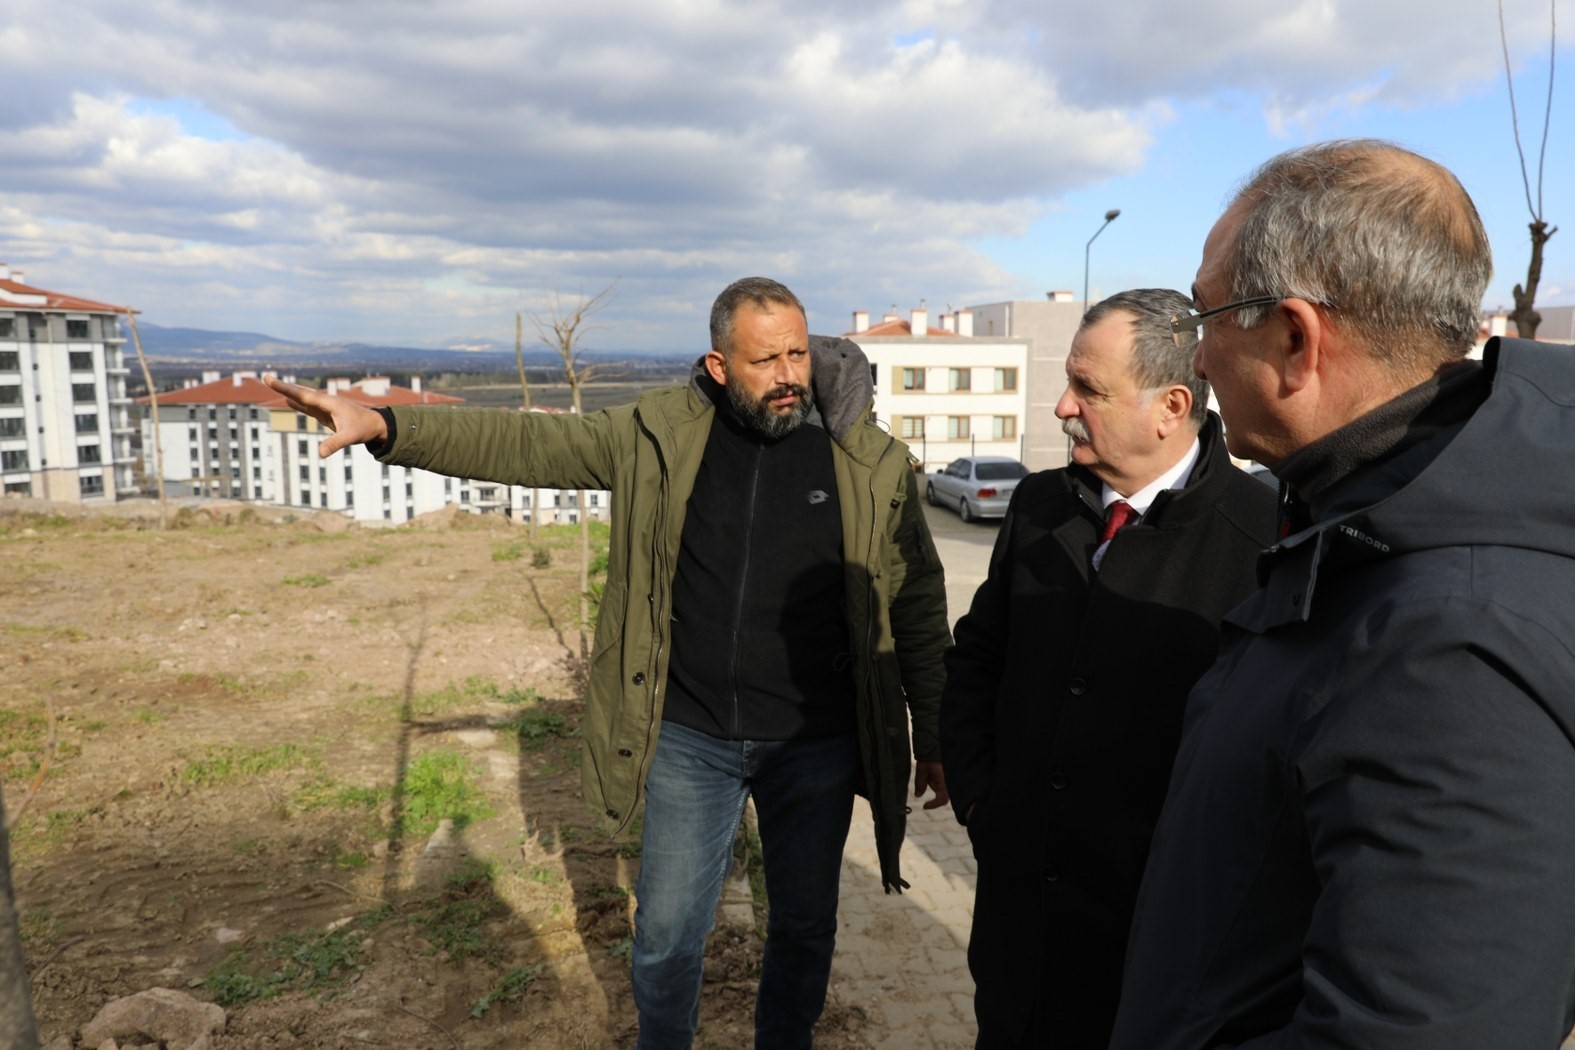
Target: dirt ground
column 324, row 775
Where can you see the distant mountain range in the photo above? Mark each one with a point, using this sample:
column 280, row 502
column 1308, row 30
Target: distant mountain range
column 198, row 346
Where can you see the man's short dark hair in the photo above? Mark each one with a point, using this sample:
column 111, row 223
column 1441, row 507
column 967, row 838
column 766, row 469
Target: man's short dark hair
column 1388, row 238
column 761, row 292
column 1157, row 360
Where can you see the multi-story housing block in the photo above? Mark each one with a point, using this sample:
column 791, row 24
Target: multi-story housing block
column 65, row 419
column 235, row 438
column 946, row 392
column 1047, row 326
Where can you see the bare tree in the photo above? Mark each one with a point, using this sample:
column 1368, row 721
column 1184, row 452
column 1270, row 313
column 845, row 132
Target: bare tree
column 563, row 328
column 1525, row 315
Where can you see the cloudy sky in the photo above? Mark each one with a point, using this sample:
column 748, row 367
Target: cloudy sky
column 415, row 172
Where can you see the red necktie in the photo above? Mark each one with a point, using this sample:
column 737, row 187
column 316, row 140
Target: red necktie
column 1118, row 514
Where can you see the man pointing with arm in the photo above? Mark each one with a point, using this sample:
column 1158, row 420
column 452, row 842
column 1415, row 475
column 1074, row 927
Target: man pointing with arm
column 775, row 612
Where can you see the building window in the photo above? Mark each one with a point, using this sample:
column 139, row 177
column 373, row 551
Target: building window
column 87, row 423
column 956, row 428
column 11, row 427
column 81, row 360
column 959, row 378
column 256, row 473
column 251, row 414
column 19, row 488
column 213, row 413
column 84, row 393
column 16, row 460
column 912, row 379
column 300, row 447
column 88, row 454
column 10, row 395
column 306, row 474
column 93, row 486
column 196, row 471
column 910, row 427
column 7, row 331
column 300, row 421
column 10, row 361
column 1004, row 428
column 76, row 330
column 1006, row 380
column 256, row 492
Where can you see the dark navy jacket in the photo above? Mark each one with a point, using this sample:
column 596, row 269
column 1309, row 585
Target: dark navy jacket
column 1369, row 839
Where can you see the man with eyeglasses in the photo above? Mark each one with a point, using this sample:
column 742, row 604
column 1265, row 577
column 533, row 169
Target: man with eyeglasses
column 1369, row 838
column 1065, row 689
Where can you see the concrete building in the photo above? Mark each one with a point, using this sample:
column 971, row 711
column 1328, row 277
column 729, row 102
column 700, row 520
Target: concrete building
column 1047, row 326
column 946, row 391
column 235, row 438
column 65, row 420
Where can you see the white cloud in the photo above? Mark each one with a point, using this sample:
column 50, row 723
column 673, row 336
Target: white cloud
column 412, row 170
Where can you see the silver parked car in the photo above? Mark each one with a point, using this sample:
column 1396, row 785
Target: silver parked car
column 977, row 486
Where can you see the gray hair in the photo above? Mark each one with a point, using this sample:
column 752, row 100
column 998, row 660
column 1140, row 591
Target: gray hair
column 1388, row 238
column 1158, row 362
column 760, row 292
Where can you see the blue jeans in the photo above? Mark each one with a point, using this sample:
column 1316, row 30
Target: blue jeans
column 694, row 798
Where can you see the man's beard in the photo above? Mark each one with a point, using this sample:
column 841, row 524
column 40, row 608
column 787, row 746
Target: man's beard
column 1073, row 428
column 759, row 415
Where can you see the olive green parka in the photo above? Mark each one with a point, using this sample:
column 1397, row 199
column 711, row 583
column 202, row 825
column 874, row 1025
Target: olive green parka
column 646, row 455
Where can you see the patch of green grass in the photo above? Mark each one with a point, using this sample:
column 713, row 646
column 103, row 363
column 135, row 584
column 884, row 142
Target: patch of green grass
column 316, row 963
column 534, row 728
column 540, row 558
column 310, row 579
column 352, row 860
column 227, row 765
column 22, row 739
column 364, row 561
column 510, row 989
column 40, row 927
column 456, row 923
column 31, row 632
column 512, row 551
column 542, row 875
column 439, row 785
column 325, row 793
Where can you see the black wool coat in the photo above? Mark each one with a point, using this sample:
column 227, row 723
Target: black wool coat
column 1061, row 717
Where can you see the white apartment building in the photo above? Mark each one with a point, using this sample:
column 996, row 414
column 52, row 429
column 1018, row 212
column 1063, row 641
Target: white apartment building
column 1048, row 326
column 65, row 420
column 947, row 392
column 235, row 438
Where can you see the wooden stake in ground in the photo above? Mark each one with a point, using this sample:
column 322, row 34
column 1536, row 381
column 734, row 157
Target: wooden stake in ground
column 18, row 1031
column 153, row 414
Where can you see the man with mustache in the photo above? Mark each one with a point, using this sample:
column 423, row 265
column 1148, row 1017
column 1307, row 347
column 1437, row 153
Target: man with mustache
column 1064, row 693
column 775, row 613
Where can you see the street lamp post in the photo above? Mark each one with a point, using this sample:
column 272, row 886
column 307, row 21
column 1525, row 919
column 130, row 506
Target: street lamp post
column 1110, row 217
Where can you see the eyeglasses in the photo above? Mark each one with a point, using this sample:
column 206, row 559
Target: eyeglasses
column 1192, row 321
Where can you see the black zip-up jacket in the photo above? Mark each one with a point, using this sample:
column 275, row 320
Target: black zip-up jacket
column 760, row 640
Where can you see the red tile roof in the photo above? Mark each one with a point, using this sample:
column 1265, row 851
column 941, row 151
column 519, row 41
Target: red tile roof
column 52, row 300
column 253, row 391
column 901, row 328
